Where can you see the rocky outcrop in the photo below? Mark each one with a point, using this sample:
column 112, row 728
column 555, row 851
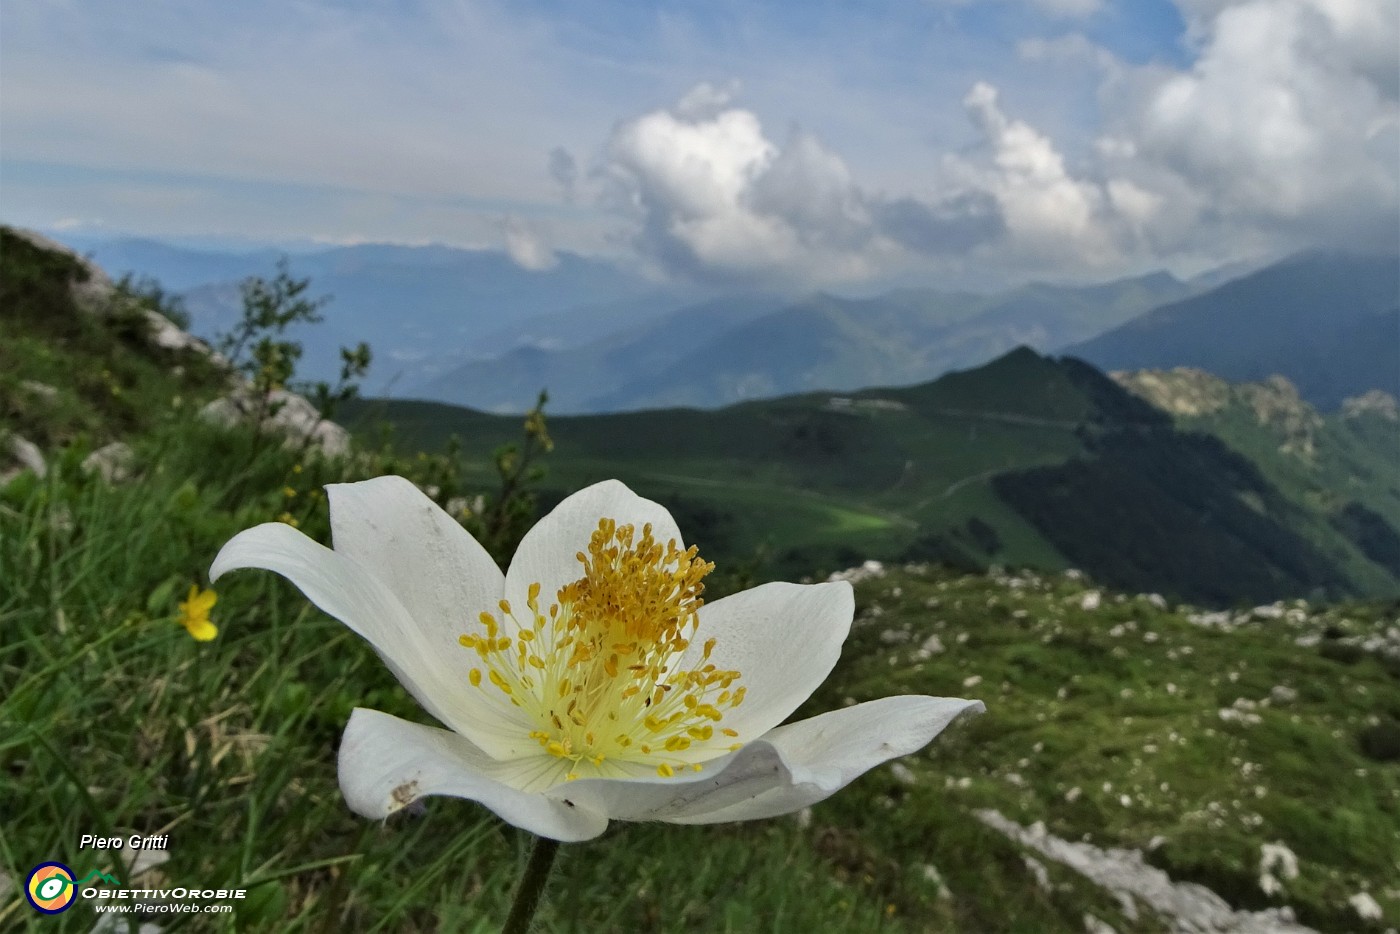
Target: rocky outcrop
column 282, row 413
column 1182, row 391
column 18, row 454
column 97, row 294
column 1277, row 405
column 1186, row 907
column 1192, row 393
column 114, row 463
column 1377, row 403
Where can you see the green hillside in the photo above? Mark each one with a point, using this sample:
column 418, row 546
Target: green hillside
column 1337, row 470
column 66, row 374
column 1027, row 461
column 1138, row 760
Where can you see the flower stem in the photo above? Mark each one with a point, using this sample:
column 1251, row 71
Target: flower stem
column 532, row 883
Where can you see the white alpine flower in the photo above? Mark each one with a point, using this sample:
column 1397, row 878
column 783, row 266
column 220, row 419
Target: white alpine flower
column 590, row 682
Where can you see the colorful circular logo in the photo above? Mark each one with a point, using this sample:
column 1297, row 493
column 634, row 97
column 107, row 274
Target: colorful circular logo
column 50, row 888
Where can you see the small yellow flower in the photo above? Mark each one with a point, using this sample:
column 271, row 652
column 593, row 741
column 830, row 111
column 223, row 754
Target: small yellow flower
column 194, row 614
column 288, row 492
column 289, row 519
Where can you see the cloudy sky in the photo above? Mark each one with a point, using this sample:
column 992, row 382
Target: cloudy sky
column 811, row 143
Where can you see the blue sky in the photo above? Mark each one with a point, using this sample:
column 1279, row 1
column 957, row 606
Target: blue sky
column 816, row 143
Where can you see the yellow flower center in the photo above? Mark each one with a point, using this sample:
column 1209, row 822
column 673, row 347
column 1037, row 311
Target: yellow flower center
column 598, row 672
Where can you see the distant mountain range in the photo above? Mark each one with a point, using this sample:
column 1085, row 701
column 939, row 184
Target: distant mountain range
column 1025, row 461
column 1328, row 322
column 422, row 309
column 474, row 328
column 755, row 347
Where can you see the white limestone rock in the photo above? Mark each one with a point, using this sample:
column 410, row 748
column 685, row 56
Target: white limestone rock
column 866, row 571
column 1184, row 906
column 1366, row 907
column 22, row 454
column 283, row 413
column 114, row 463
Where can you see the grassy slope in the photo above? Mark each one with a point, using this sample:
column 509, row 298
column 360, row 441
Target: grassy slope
column 1325, row 465
column 1026, row 461
column 1354, row 462
column 106, row 381
column 812, row 484
column 122, row 724
column 113, row 721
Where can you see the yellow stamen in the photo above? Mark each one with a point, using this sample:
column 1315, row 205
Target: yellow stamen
column 602, row 676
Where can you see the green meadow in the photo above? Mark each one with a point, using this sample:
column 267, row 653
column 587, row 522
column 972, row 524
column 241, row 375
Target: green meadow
column 1103, row 723
column 1168, row 738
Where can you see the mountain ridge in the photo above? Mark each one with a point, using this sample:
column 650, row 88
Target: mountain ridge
column 1330, row 322
column 1028, row 460
column 821, row 342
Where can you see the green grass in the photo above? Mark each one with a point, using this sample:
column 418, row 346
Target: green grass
column 103, row 381
column 115, row 722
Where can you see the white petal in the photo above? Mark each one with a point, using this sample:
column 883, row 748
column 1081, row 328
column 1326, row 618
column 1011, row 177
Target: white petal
column 350, row 592
column 783, row 639
column 723, row 782
column 790, row 768
column 387, row 763
column 826, row 753
column 548, row 553
column 441, row 575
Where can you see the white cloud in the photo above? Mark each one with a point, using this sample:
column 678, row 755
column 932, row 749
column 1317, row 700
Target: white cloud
column 1287, row 117
column 1048, row 212
column 526, row 248
column 706, row 100
column 713, row 195
column 76, row 223
column 436, row 121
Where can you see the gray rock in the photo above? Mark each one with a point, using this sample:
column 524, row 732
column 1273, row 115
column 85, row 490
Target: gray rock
column 1188, row 908
column 866, row 571
column 292, row 416
column 114, row 462
column 1093, row 925
column 285, row 413
column 42, row 390
column 24, row 455
column 98, row 296
column 93, row 296
column 903, row 774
